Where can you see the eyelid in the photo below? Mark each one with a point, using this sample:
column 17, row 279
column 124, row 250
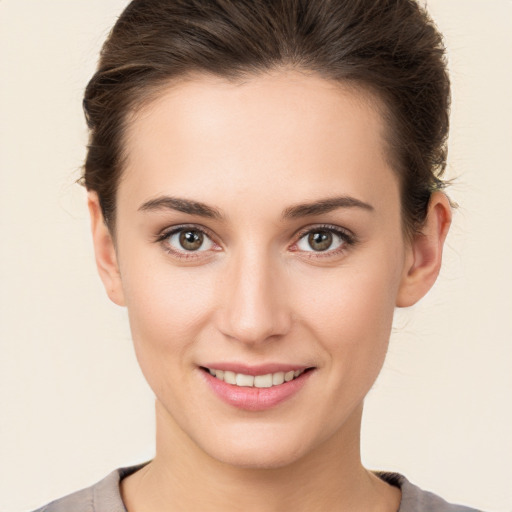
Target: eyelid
column 171, row 230
column 344, row 232
column 165, row 233
column 348, row 236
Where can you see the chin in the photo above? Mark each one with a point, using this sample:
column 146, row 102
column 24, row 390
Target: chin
column 264, row 449
column 258, row 458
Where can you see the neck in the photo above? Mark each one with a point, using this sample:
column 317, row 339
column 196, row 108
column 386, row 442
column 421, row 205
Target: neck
column 182, row 477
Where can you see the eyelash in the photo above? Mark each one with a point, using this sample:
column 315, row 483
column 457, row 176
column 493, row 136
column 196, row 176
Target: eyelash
column 347, row 237
column 183, row 255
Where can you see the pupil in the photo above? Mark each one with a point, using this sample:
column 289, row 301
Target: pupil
column 191, row 240
column 320, row 240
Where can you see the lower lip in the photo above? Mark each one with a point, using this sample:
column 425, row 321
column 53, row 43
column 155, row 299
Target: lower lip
column 255, row 399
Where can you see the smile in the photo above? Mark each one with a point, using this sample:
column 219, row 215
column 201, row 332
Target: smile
column 256, row 392
column 258, row 381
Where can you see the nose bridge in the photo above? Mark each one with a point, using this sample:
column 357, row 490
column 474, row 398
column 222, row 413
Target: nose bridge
column 254, row 307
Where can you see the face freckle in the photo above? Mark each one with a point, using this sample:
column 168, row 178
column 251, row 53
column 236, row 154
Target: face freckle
column 258, row 223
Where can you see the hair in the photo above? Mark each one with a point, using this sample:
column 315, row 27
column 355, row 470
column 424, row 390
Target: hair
column 389, row 47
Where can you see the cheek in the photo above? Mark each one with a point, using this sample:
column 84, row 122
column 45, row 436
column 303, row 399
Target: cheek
column 167, row 307
column 351, row 314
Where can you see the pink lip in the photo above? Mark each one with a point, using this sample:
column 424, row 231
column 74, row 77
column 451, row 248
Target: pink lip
column 255, row 399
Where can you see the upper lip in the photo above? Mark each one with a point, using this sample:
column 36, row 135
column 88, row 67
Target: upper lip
column 259, row 369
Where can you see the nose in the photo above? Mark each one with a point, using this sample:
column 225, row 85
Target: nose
column 255, row 308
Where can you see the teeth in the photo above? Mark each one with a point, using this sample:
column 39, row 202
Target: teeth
column 263, row 381
column 244, row 380
column 277, row 378
column 230, row 377
column 258, row 381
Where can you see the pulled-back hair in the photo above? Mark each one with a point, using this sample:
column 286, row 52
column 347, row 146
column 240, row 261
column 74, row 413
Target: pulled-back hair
column 389, row 47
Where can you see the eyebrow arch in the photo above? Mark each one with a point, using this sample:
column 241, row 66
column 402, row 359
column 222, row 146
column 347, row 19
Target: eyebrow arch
column 181, row 205
column 324, row 206
column 293, row 212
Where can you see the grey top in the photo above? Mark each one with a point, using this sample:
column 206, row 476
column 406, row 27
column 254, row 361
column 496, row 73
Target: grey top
column 105, row 496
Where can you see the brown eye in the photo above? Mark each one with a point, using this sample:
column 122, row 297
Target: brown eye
column 323, row 240
column 320, row 240
column 189, row 240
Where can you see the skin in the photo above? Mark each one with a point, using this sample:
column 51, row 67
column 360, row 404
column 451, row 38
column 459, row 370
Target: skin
column 259, row 292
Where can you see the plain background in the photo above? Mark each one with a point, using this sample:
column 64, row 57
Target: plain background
column 73, row 403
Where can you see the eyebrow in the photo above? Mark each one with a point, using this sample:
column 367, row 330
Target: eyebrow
column 181, row 205
column 292, row 212
column 324, row 206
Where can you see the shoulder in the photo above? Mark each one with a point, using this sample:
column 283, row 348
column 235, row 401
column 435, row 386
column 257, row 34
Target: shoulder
column 415, row 499
column 103, row 496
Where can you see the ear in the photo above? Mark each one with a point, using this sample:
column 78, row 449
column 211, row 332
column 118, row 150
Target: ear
column 425, row 252
column 105, row 252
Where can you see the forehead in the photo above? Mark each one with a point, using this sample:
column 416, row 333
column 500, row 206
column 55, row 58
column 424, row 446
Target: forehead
column 279, row 131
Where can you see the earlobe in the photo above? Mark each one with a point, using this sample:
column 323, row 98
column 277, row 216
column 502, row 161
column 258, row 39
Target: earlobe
column 424, row 258
column 105, row 253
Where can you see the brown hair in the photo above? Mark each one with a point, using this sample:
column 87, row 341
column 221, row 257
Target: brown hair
column 390, row 47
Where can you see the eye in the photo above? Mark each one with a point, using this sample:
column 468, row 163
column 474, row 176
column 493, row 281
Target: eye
column 188, row 240
column 323, row 240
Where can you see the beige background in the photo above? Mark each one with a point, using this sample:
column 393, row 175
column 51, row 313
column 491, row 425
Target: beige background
column 73, row 404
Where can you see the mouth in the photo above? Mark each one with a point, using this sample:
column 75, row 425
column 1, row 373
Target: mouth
column 268, row 380
column 256, row 387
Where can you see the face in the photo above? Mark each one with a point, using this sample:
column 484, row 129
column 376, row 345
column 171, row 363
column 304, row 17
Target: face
column 259, row 233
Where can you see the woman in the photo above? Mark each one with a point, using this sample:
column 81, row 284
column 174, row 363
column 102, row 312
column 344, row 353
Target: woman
column 265, row 188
